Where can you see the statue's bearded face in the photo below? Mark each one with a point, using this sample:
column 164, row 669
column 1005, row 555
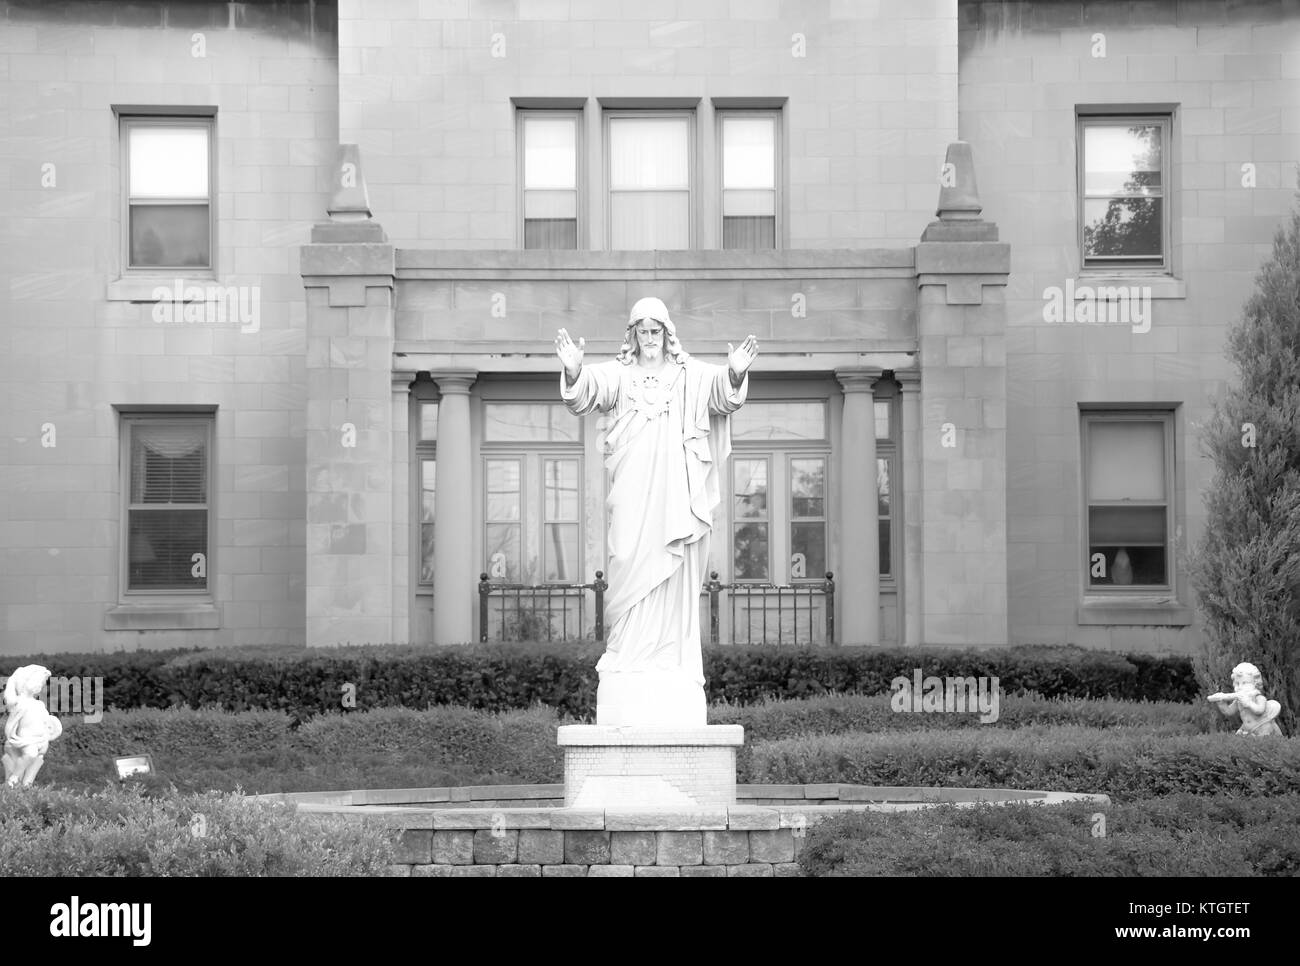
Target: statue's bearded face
column 650, row 338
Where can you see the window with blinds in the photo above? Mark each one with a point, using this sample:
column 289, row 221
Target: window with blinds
column 1127, row 483
column 650, row 158
column 167, row 509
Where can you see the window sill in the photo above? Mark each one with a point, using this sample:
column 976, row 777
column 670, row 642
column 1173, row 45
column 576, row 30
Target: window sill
column 141, row 288
column 1155, row 609
column 177, row 615
column 1161, row 286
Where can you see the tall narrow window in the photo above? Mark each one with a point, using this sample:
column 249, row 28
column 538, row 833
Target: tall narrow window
column 649, row 181
column 167, row 506
column 1128, row 459
column 560, row 510
column 550, row 178
column 751, row 520
column 504, row 519
column 886, row 460
column 427, row 457
column 807, row 518
column 1124, row 173
column 168, row 164
column 748, row 180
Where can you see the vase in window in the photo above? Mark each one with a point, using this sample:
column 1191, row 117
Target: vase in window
column 1121, row 572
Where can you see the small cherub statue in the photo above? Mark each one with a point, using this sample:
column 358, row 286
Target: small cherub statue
column 29, row 728
column 1256, row 712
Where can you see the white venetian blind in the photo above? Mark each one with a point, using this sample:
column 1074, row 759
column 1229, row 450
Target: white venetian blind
column 1126, row 461
column 650, row 197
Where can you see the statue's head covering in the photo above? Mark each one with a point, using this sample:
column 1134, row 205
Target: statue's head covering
column 25, row 682
column 651, row 308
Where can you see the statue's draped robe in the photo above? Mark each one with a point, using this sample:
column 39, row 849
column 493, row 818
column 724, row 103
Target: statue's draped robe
column 665, row 458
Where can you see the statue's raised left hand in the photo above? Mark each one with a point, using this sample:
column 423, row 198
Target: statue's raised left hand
column 739, row 360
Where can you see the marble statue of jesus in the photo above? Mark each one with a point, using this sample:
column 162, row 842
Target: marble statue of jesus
column 665, row 449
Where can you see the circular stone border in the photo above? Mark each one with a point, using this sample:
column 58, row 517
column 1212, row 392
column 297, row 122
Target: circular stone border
column 525, row 830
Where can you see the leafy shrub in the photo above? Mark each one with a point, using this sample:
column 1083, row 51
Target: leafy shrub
column 1122, row 762
column 124, row 832
column 1182, row 835
column 305, row 682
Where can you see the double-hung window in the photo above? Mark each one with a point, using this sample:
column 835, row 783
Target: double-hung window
column 749, row 178
column 650, row 161
column 551, row 161
column 1124, row 214
column 1128, row 463
column 167, row 165
column 168, row 469
column 426, row 458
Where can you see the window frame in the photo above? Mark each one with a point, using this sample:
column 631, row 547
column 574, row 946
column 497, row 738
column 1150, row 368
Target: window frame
column 531, row 456
column 888, row 449
column 779, row 452
column 1123, row 117
column 128, row 420
column 424, row 450
column 580, row 177
column 691, row 117
column 778, row 173
column 126, row 120
column 1165, row 418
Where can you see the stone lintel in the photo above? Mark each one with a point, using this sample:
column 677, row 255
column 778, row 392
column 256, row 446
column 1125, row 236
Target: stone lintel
column 858, row 378
column 618, row 265
column 607, row 736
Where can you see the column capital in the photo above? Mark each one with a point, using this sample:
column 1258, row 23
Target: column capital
column 859, row 378
column 454, row 382
column 909, row 380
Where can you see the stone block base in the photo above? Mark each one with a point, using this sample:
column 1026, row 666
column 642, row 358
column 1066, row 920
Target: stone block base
column 650, row 767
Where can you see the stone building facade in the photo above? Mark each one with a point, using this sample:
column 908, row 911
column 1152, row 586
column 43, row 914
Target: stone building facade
column 265, row 389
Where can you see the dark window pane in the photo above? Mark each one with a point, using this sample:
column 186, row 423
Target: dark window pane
column 886, row 561
column 170, row 236
column 750, row 548
column 1127, row 566
column 426, row 553
column 808, row 550
column 1124, row 526
column 428, row 479
column 161, row 547
column 168, row 463
column 551, row 233
column 1127, row 227
column 752, row 232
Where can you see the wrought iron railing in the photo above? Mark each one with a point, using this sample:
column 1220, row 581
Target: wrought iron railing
column 774, row 610
column 530, row 612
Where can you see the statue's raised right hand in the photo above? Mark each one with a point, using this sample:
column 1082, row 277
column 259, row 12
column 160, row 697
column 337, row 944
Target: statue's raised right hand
column 569, row 353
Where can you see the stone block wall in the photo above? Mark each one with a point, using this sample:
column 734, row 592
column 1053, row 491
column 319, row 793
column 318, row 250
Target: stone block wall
column 425, row 89
column 75, row 340
column 1231, row 75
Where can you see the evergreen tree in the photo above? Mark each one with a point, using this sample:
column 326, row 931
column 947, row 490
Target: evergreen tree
column 1246, row 569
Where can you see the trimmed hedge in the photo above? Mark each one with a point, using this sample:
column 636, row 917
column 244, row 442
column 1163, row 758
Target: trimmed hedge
column 122, row 832
column 305, row 682
column 1125, row 763
column 1181, row 835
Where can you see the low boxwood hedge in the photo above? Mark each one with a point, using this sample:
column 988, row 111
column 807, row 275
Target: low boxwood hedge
column 123, row 832
column 305, row 682
column 1126, row 763
column 1180, row 835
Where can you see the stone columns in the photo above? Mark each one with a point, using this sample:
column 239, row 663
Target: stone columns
column 912, row 629
column 961, row 327
column 857, row 579
column 455, row 571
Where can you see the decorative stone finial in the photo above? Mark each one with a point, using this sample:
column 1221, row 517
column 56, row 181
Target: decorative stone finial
column 959, row 201
column 350, row 217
